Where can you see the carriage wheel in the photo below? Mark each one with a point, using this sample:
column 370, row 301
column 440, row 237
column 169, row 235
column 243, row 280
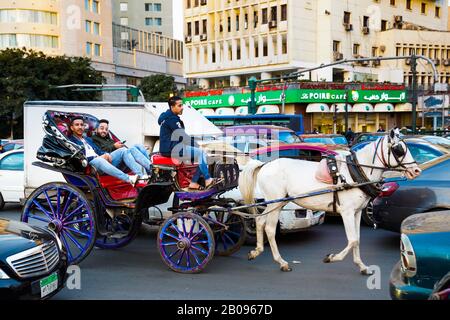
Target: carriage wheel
column 186, row 243
column 228, row 241
column 66, row 210
column 121, row 229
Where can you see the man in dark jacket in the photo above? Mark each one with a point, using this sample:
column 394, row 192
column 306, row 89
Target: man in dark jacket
column 135, row 156
column 100, row 160
column 176, row 143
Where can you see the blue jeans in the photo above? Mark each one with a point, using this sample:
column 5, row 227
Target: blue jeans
column 139, row 154
column 103, row 166
column 198, row 155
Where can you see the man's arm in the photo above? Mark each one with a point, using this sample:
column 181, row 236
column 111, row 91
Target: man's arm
column 97, row 150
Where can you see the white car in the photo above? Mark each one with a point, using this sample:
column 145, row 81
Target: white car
column 11, row 177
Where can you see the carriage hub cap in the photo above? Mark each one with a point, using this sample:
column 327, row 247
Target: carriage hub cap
column 55, row 225
column 183, row 244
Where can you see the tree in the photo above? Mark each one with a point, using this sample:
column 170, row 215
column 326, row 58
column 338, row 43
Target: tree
column 31, row 75
column 158, row 87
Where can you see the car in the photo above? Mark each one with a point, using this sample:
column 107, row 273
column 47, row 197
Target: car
column 11, row 177
column 401, row 199
column 293, row 218
column 423, row 269
column 261, row 132
column 328, row 139
column 33, row 263
column 447, row 136
column 441, row 141
column 11, row 145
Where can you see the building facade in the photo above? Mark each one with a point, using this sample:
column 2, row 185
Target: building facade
column 228, row 41
column 147, row 15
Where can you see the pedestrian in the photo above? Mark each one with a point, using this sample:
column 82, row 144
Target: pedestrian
column 315, row 131
column 380, row 129
column 349, row 135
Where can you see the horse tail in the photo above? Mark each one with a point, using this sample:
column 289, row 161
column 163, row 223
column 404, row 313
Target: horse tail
column 247, row 181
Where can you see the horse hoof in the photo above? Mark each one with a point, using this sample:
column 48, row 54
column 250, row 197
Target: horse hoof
column 286, row 269
column 250, row 256
column 366, row 272
column 327, row 259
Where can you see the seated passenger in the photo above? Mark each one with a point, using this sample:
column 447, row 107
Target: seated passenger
column 134, row 156
column 101, row 161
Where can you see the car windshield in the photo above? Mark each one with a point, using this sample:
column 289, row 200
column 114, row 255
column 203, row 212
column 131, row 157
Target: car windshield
column 340, row 140
column 438, row 140
column 423, row 153
column 288, row 137
column 320, row 140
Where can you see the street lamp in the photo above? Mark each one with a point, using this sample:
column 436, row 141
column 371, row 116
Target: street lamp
column 252, row 102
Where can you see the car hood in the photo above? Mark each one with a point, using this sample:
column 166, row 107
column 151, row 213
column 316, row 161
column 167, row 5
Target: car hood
column 17, row 236
column 438, row 221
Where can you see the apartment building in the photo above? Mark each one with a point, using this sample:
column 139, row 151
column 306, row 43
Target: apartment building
column 148, row 15
column 228, row 41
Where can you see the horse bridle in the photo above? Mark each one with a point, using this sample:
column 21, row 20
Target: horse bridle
column 396, row 150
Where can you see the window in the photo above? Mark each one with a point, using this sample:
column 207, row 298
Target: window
column 148, row 21
column 96, row 28
column 255, row 19
column 158, row 21
column 273, row 14
column 283, row 13
column 374, row 51
column 265, row 50
column 88, row 26
column 88, row 48
column 336, row 46
column 195, row 3
column 28, row 40
column 264, row 16
column 13, row 162
column 356, row 49
column 197, row 28
column 124, row 21
column 238, row 53
column 205, row 26
column 124, row 6
column 95, row 6
column 188, row 4
column 284, row 45
column 366, row 21
column 383, row 25
column 237, row 22
column 157, row 7
column 437, row 12
column 256, row 48
column 423, row 8
column 347, row 16
column 392, row 2
column 246, row 21
column 97, row 50
column 148, row 7
column 408, row 5
column 189, row 28
column 229, row 24
column 28, row 16
column 87, row 5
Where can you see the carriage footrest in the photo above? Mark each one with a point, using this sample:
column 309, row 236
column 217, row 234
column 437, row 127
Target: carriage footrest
column 195, row 195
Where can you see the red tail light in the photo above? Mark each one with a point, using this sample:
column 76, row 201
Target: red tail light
column 388, row 189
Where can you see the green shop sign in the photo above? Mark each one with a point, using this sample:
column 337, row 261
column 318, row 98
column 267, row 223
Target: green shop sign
column 298, row 96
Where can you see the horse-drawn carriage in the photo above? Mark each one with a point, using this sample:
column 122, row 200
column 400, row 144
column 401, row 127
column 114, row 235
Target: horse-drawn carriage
column 91, row 209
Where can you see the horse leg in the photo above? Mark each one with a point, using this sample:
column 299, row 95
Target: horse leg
column 260, row 223
column 348, row 218
column 271, row 229
column 356, row 254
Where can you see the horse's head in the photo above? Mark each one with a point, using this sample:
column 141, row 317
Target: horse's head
column 398, row 155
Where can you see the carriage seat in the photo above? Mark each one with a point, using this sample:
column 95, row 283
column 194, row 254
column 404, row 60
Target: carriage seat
column 159, row 159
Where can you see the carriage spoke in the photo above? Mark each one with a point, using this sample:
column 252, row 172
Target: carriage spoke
column 192, row 228
column 181, row 257
column 169, row 244
column 38, row 218
column 58, row 204
column 69, row 253
column 176, row 228
column 199, row 242
column 234, row 233
column 77, row 231
column 73, row 240
column 188, row 258
column 174, row 253
column 170, row 235
column 66, row 204
column 76, row 221
column 184, row 227
column 38, row 205
column 73, row 212
column 199, row 249
column 50, row 203
column 224, row 244
column 230, row 240
column 197, row 233
column 195, row 256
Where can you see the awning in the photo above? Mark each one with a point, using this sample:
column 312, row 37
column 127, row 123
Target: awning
column 268, row 109
column 362, row 107
column 206, row 112
column 403, row 107
column 241, row 111
column 225, row 111
column 384, row 107
column 340, row 107
column 317, row 107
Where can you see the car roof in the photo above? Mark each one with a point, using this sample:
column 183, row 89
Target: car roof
column 321, row 135
column 4, row 154
column 295, row 146
column 257, row 127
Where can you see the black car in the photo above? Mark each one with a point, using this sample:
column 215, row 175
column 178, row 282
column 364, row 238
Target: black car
column 366, row 136
column 33, row 264
column 428, row 192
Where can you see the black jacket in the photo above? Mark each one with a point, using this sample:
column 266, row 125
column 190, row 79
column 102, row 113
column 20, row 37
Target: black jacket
column 171, row 123
column 106, row 143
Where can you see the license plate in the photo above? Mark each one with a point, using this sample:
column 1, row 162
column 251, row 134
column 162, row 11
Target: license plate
column 49, row 284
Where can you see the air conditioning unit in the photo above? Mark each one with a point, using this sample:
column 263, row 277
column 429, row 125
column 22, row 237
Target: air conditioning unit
column 187, row 39
column 408, row 61
column 273, row 24
column 203, row 37
column 446, row 62
column 348, row 26
column 382, row 48
column 203, row 2
column 365, row 30
column 376, row 63
column 398, row 19
column 437, row 62
column 338, row 56
column 364, row 63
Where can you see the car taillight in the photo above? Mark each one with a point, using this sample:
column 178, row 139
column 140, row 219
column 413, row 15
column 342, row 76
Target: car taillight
column 408, row 257
column 388, row 189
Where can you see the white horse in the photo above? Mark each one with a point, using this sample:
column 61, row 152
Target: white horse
column 289, row 177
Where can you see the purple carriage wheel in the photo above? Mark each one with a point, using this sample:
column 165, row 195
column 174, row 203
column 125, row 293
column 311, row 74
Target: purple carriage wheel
column 66, row 210
column 186, row 243
column 230, row 239
column 121, row 230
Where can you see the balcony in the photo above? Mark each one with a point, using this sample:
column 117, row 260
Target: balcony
column 203, row 37
column 272, row 24
column 338, row 56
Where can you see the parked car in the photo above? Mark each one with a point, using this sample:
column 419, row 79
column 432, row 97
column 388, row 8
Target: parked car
column 441, row 141
column 423, row 269
column 261, row 132
column 328, row 139
column 366, row 136
column 428, row 192
column 11, row 145
column 33, row 263
column 447, row 136
column 11, row 177
column 293, row 218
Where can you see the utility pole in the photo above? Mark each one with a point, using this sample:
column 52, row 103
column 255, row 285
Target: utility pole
column 414, row 89
column 252, row 102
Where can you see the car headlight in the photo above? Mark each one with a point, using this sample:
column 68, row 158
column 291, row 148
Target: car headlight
column 3, row 275
column 407, row 257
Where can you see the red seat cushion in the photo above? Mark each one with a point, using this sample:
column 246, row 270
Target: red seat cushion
column 165, row 161
column 118, row 189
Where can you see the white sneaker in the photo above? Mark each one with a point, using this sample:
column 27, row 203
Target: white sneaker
column 133, row 180
column 143, row 177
